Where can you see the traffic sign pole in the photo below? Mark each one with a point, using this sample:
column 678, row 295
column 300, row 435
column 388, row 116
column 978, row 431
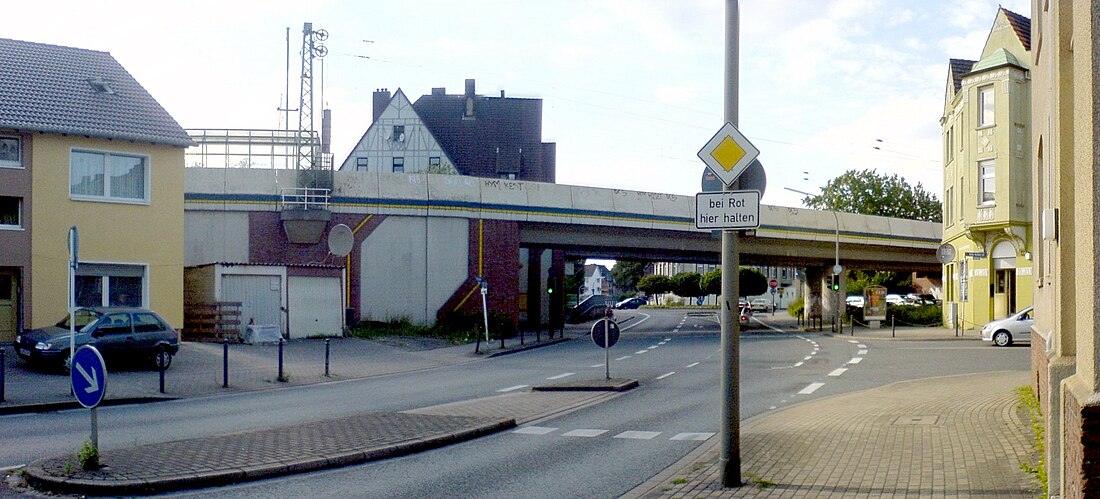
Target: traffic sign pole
column 607, row 348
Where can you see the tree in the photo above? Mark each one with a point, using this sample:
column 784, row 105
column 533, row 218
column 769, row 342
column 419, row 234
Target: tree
column 711, row 283
column 750, row 282
column 868, row 193
column 654, row 285
column 627, row 274
column 686, row 284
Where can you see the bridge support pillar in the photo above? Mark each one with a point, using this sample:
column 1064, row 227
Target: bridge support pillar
column 832, row 300
column 811, row 291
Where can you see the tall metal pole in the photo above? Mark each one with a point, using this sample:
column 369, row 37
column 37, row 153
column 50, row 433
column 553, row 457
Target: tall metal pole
column 729, row 460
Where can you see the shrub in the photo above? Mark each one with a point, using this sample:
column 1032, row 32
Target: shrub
column 88, row 456
column 921, row 315
column 795, row 307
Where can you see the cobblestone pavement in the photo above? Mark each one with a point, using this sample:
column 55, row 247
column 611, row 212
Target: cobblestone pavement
column 958, row 436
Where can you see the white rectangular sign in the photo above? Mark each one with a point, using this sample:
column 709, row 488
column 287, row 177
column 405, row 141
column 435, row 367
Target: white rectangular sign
column 727, row 210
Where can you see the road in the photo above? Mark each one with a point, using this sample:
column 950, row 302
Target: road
column 598, row 451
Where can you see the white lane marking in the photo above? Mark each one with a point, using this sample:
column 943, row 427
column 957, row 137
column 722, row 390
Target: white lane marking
column 645, row 317
column 677, row 330
column 811, row 388
column 534, row 430
column 668, row 339
column 624, row 357
column 852, row 341
column 639, row 352
column 861, row 352
column 855, row 360
column 663, row 376
column 861, row 345
column 798, row 364
column 769, row 326
column 838, row 371
column 651, row 348
column 584, row 433
column 11, row 468
column 512, row 388
column 816, row 349
column 562, row 375
column 596, row 365
column 693, row 364
column 772, row 408
column 662, row 343
column 692, row 436
column 638, row 435
column 808, row 357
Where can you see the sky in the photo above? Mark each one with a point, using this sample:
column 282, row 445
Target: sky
column 631, row 89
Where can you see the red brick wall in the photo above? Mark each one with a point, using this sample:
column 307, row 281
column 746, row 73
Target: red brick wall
column 496, row 244
column 1040, row 376
column 1082, row 449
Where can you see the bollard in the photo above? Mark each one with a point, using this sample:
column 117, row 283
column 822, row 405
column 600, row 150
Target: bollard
column 893, row 327
column 502, row 342
column 225, row 363
column 3, row 366
column 281, row 378
column 326, row 357
column 160, row 363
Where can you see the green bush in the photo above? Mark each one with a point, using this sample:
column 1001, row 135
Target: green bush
column 454, row 327
column 88, row 456
column 795, row 307
column 921, row 315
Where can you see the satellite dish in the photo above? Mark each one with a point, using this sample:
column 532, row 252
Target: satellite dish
column 340, row 240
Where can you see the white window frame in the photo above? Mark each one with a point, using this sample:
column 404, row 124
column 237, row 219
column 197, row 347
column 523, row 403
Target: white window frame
column 18, row 162
column 106, row 197
column 18, row 215
column 362, row 164
column 396, row 160
column 987, row 180
column 987, row 96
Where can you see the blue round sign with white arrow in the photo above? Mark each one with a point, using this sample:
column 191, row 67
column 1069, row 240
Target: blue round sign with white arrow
column 88, row 376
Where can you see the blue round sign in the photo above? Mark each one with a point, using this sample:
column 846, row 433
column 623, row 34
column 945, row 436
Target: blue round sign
column 88, row 375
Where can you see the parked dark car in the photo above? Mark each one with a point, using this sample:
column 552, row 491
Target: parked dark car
column 122, row 333
column 630, row 303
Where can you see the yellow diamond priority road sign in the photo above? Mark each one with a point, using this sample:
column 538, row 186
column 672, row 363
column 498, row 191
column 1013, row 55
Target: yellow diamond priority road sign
column 728, row 154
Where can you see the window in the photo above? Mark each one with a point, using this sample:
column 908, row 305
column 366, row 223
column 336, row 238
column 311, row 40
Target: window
column 948, row 145
column 433, row 162
column 398, row 165
column 102, row 285
column 10, row 154
column 399, row 133
column 11, row 212
column 987, row 180
column 115, row 324
column 360, row 164
column 985, row 106
column 949, row 206
column 108, row 176
column 145, row 322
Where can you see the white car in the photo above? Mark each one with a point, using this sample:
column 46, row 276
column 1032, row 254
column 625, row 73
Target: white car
column 1016, row 327
column 854, row 301
column 760, row 305
column 893, row 299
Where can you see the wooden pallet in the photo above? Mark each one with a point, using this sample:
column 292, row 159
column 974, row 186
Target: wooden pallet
column 214, row 322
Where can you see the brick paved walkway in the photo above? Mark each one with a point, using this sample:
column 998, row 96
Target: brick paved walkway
column 959, row 436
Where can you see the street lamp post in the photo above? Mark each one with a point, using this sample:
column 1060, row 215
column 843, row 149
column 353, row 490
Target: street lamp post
column 836, row 255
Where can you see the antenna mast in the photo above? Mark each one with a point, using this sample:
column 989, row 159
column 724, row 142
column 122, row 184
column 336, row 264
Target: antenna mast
column 311, row 172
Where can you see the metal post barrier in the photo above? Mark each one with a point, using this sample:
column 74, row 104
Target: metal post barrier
column 521, row 334
column 502, row 341
column 893, row 327
column 326, row 357
column 3, row 367
column 161, row 360
column 225, row 363
column 281, row 378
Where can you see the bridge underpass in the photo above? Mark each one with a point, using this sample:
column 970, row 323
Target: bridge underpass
column 420, row 241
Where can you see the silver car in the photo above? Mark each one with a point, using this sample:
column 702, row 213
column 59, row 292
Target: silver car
column 1016, row 327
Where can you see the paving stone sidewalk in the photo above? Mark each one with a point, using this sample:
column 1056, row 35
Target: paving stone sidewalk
column 958, row 436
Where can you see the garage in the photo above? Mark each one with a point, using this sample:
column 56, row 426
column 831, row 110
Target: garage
column 316, row 306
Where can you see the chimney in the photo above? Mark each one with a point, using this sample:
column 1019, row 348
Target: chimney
column 326, row 131
column 439, row 91
column 381, row 100
column 469, row 114
column 502, row 93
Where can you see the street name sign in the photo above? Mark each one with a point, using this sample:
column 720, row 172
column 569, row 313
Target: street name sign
column 727, row 210
column 88, row 375
column 728, row 153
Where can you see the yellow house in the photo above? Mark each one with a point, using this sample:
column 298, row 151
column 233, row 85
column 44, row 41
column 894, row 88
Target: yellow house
column 987, row 178
column 83, row 145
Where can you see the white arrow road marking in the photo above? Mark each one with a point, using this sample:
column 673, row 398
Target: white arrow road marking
column 812, row 387
column 92, row 379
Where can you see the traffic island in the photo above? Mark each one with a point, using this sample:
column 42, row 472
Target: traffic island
column 599, row 385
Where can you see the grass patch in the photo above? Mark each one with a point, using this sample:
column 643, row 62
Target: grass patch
column 455, row 329
column 679, row 481
column 1028, row 401
column 759, row 481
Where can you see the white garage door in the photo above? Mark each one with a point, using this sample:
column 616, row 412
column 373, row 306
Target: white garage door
column 259, row 296
column 316, row 306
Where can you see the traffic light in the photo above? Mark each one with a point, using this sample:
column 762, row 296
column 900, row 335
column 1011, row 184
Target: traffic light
column 550, row 290
column 836, row 283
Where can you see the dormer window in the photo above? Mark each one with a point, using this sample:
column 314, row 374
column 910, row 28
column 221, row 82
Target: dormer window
column 101, row 86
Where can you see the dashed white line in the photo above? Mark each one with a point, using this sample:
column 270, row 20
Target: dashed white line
column 808, row 357
column 861, row 345
column 512, row 388
column 663, row 376
column 624, row 357
column 584, row 433
column 638, row 435
column 861, row 352
column 668, row 339
column 662, row 343
column 693, row 364
column 639, row 352
column 853, row 341
column 855, row 360
column 651, row 348
column 562, row 375
column 596, row 365
column 534, row 430
column 798, row 364
column 692, row 436
column 811, row 388
column 838, row 371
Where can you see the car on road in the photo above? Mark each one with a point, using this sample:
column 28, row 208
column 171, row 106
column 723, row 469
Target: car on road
column 1016, row 327
column 854, row 301
column 760, row 305
column 119, row 333
column 745, row 315
column 893, row 299
column 630, row 303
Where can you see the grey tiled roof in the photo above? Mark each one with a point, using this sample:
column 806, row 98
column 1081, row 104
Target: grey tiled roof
column 46, row 88
column 959, row 67
column 1021, row 25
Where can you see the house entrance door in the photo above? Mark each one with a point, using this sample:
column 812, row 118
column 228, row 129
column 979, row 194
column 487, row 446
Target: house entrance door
column 9, row 305
column 1004, row 293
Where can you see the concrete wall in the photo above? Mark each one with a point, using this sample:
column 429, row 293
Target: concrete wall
column 215, row 236
column 412, row 266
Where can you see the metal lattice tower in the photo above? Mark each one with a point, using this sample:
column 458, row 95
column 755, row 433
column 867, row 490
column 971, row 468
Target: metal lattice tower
column 311, row 172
